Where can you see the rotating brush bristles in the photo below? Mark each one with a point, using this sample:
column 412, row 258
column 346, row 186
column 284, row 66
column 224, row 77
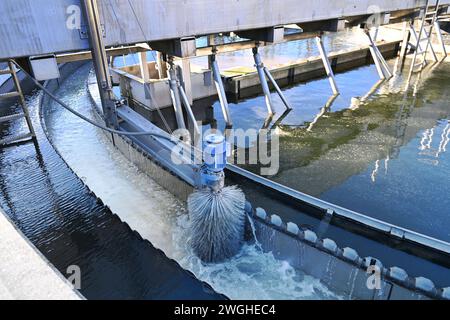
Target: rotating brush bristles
column 217, row 223
column 217, row 213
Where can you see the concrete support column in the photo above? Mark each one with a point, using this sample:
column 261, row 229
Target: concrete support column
column 440, row 39
column 162, row 65
column 185, row 68
column 143, row 66
column 406, row 37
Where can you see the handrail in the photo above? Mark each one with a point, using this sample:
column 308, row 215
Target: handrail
column 382, row 226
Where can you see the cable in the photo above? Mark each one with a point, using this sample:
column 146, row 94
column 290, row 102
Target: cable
column 64, row 105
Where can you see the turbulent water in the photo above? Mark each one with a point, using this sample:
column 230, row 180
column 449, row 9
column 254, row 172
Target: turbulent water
column 156, row 214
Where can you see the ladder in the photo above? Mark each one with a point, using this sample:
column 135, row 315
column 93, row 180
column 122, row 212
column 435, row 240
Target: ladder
column 427, row 24
column 21, row 137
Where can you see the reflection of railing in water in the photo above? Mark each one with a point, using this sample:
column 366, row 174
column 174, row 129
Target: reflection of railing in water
column 406, row 108
column 326, row 108
column 425, row 144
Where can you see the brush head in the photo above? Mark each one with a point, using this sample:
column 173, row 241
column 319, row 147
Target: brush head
column 217, row 220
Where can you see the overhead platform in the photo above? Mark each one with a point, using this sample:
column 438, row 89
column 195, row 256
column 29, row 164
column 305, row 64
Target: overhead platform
column 38, row 27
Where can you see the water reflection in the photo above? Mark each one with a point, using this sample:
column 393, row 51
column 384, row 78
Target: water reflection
column 322, row 112
column 361, row 155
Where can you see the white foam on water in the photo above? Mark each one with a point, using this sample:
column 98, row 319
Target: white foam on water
column 156, row 214
column 252, row 274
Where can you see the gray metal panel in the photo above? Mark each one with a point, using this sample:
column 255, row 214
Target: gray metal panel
column 34, row 27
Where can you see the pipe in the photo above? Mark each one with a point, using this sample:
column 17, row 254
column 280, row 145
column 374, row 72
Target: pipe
column 101, row 63
column 277, row 88
column 175, row 94
column 220, row 90
column 326, row 64
column 262, row 78
column 188, row 108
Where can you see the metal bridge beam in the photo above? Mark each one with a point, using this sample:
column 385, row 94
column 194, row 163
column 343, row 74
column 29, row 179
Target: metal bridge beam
column 36, row 27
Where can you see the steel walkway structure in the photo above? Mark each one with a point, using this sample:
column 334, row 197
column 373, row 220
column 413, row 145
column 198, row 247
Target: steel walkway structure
column 38, row 27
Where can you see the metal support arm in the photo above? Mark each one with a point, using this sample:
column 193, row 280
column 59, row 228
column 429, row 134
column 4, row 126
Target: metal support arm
column 188, row 108
column 277, row 88
column 380, row 62
column 175, row 95
column 220, row 90
column 440, row 39
column 326, row 64
column 262, row 78
column 263, row 72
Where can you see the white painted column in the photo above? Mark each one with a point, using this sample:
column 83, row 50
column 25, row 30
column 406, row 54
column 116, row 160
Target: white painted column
column 185, row 66
column 143, row 65
column 326, row 64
